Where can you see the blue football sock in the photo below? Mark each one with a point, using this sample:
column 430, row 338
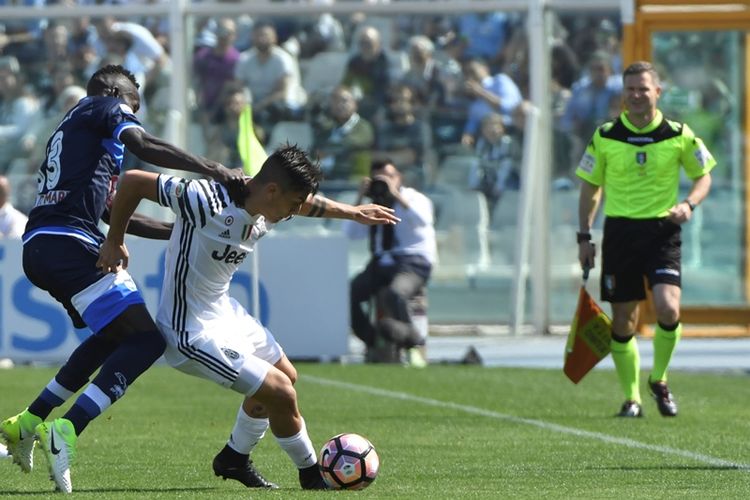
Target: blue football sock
column 132, row 357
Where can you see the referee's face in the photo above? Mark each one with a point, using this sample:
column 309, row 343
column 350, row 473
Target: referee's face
column 641, row 93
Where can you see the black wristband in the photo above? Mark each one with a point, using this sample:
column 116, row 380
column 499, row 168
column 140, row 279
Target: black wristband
column 581, row 237
column 690, row 204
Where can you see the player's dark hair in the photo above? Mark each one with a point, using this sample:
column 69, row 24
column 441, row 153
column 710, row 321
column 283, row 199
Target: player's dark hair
column 292, row 169
column 639, row 67
column 107, row 77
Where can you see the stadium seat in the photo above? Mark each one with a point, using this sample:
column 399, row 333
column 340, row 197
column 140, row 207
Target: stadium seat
column 461, row 226
column 454, row 170
column 299, row 133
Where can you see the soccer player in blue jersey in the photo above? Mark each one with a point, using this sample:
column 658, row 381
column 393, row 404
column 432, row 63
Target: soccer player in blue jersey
column 76, row 183
column 208, row 333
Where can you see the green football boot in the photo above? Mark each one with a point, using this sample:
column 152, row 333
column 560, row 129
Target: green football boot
column 18, row 434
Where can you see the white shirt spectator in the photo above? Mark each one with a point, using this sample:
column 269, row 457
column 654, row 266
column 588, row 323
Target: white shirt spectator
column 12, row 222
column 414, row 235
column 261, row 78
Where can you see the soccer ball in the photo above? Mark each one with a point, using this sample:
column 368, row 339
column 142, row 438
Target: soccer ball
column 348, row 461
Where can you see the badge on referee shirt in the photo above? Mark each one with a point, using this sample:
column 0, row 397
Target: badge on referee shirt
column 640, row 159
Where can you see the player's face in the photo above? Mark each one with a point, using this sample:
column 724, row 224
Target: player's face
column 132, row 98
column 282, row 205
column 641, row 93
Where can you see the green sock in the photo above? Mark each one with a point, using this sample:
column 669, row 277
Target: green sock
column 628, row 365
column 664, row 344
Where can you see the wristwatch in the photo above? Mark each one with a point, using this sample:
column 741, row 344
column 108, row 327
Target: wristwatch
column 581, row 237
column 690, row 204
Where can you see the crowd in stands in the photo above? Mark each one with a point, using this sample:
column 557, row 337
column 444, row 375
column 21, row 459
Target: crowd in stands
column 413, row 88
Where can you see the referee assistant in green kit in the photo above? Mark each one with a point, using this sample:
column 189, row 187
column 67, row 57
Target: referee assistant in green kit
column 635, row 160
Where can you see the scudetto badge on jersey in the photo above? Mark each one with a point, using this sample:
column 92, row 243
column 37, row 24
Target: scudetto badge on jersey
column 178, row 189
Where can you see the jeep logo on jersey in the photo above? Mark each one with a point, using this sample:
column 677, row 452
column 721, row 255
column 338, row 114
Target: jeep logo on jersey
column 229, row 256
column 640, row 157
column 230, row 353
column 229, row 220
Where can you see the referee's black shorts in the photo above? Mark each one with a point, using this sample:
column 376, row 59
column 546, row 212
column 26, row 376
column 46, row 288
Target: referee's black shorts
column 634, row 248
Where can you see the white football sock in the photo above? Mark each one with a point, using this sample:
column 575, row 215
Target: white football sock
column 299, row 448
column 247, row 432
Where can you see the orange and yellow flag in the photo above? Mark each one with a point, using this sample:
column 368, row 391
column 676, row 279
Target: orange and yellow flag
column 589, row 338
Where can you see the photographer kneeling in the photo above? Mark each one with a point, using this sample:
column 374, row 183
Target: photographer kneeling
column 402, row 258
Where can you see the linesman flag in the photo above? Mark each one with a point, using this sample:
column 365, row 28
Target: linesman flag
column 589, row 337
column 251, row 151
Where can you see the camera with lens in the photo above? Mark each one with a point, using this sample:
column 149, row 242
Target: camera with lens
column 380, row 192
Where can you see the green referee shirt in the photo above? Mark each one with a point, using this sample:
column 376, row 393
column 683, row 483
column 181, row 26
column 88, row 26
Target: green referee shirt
column 639, row 169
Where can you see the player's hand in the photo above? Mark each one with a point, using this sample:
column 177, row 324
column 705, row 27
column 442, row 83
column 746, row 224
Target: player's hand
column 231, row 178
column 587, row 255
column 372, row 214
column 680, row 213
column 112, row 257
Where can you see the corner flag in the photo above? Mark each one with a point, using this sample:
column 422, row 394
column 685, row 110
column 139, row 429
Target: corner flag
column 589, row 337
column 251, row 151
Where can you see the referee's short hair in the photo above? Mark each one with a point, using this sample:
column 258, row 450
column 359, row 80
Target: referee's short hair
column 639, row 67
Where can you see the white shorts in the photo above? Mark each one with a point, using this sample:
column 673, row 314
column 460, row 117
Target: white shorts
column 235, row 351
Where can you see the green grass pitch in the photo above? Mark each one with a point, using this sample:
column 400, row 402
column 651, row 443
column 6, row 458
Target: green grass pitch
column 443, row 432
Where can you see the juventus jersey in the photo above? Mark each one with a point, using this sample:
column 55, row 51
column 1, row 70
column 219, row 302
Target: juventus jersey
column 211, row 238
column 77, row 179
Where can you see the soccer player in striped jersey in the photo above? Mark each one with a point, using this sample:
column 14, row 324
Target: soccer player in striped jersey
column 208, row 333
column 76, row 183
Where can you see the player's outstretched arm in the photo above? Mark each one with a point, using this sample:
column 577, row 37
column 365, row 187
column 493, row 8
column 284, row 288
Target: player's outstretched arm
column 146, row 227
column 163, row 154
column 370, row 214
column 135, row 186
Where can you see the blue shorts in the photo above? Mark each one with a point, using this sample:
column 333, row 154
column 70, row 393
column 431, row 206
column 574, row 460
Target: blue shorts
column 65, row 267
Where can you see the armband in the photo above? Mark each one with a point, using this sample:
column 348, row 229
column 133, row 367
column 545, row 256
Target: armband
column 581, row 237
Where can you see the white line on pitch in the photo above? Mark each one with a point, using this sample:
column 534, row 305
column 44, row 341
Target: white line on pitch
column 630, row 443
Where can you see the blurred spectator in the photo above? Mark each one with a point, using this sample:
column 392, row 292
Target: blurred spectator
column 272, row 76
column 403, row 136
column 60, row 76
column 422, row 75
column 565, row 69
column 483, row 35
column 449, row 111
column 213, row 68
column 53, row 49
column 490, row 93
column 608, row 40
column 343, row 139
column 34, row 141
column 323, row 33
column 18, row 110
column 591, row 102
column 82, row 32
column 222, row 142
column 367, row 73
column 119, row 51
column 499, row 157
column 12, row 221
column 143, row 46
column 402, row 256
column 22, row 38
